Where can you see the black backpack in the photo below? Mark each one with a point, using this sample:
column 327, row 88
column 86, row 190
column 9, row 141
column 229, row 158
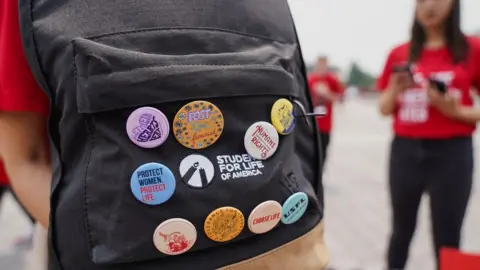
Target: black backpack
column 176, row 63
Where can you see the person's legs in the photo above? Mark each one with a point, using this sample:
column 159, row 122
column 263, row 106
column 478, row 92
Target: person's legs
column 325, row 141
column 406, row 188
column 449, row 187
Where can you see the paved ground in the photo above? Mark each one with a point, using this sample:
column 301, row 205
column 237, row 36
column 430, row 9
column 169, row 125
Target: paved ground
column 357, row 214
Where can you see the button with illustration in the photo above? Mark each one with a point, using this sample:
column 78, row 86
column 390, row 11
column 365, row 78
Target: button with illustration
column 196, row 171
column 283, row 117
column 153, row 183
column 224, row 224
column 265, row 217
column 148, row 127
column 294, row 207
column 261, row 140
column 198, row 125
column 175, row 236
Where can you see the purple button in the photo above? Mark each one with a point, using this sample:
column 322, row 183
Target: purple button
column 148, row 127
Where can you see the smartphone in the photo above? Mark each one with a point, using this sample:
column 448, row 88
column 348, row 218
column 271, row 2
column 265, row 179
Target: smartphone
column 438, row 85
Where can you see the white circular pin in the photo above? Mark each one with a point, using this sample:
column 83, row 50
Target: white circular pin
column 175, row 236
column 196, row 171
column 261, row 140
column 265, row 217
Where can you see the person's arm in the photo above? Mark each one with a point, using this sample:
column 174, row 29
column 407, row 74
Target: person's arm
column 339, row 89
column 390, row 85
column 323, row 92
column 26, row 160
column 450, row 106
column 23, row 114
column 468, row 114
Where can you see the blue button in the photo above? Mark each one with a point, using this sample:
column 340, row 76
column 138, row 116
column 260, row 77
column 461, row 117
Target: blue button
column 153, row 183
column 294, row 207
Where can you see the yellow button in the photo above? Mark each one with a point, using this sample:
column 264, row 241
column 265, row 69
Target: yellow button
column 198, row 125
column 224, row 224
column 283, row 118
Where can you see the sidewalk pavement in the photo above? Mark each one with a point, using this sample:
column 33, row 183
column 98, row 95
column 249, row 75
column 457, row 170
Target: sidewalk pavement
column 357, row 213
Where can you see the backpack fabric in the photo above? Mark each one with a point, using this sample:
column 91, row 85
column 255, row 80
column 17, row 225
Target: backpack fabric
column 99, row 61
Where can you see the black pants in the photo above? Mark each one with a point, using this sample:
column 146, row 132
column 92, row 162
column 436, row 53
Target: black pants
column 443, row 169
column 325, row 140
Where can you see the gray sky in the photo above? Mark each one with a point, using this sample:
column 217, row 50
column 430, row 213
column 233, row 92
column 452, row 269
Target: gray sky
column 361, row 30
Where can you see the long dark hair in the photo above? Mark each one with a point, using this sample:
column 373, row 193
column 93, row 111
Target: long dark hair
column 456, row 41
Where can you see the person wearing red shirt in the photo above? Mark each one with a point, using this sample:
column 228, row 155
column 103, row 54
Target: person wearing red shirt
column 432, row 150
column 325, row 90
column 24, row 110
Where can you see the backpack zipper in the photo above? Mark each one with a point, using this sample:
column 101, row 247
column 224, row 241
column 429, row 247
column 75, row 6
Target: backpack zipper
column 306, row 115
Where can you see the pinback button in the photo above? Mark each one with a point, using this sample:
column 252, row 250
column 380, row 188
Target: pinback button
column 175, row 236
column 224, row 224
column 294, row 207
column 148, row 127
column 198, row 125
column 265, row 217
column 152, row 183
column 261, row 140
column 283, row 117
column 196, row 171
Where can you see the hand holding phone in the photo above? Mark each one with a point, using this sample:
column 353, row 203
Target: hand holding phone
column 438, row 85
column 401, row 78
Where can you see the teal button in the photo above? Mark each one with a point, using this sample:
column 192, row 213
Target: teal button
column 153, row 183
column 294, row 207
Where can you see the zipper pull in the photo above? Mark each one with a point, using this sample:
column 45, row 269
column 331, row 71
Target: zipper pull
column 304, row 113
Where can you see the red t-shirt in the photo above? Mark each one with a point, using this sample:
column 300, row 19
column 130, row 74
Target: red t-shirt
column 325, row 122
column 18, row 89
column 414, row 116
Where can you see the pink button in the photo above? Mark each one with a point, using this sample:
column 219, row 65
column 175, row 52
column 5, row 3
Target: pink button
column 265, row 217
column 148, row 127
column 175, row 236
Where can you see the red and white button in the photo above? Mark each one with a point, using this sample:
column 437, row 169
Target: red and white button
column 261, row 140
column 265, row 217
column 175, row 236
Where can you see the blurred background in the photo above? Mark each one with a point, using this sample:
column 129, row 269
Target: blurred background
column 356, row 36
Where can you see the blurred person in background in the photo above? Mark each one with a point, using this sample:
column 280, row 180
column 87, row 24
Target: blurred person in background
column 432, row 148
column 23, row 135
column 326, row 89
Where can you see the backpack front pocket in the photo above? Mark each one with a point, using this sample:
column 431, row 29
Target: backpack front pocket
column 119, row 74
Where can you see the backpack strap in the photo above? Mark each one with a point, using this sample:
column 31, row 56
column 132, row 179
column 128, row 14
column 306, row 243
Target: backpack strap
column 28, row 41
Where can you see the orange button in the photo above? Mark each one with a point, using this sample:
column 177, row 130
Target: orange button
column 198, row 125
column 224, row 224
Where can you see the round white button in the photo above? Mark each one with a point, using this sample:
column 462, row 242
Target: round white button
column 261, row 140
column 175, row 236
column 265, row 217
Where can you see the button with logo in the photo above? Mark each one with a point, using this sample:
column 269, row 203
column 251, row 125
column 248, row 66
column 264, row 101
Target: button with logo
column 224, row 224
column 198, row 125
column 196, row 171
column 261, row 140
column 175, row 236
column 148, row 127
column 153, row 183
column 265, row 217
column 294, row 207
column 283, row 117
